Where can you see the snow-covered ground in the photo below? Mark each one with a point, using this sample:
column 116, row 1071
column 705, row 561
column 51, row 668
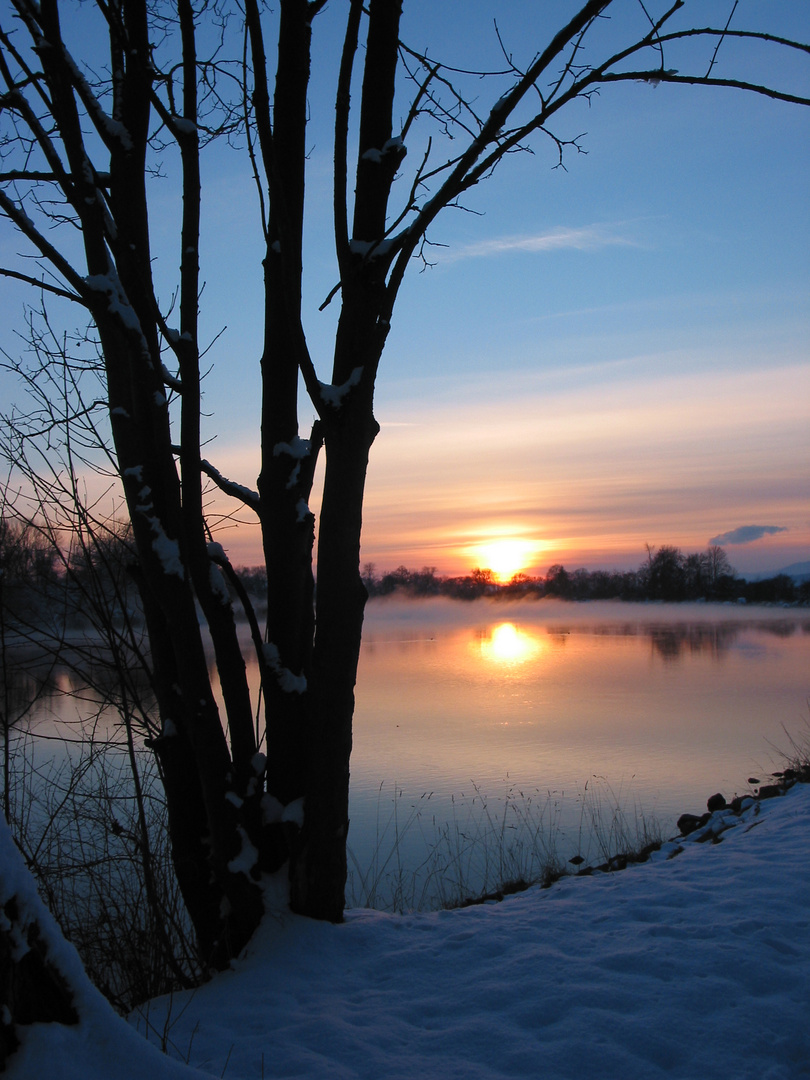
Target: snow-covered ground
column 696, row 967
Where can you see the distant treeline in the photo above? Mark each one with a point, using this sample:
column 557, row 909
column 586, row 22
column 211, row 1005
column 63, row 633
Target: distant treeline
column 43, row 585
column 666, row 574
column 48, row 580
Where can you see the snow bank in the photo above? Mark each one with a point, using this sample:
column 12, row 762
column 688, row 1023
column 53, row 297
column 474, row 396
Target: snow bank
column 692, row 967
column 102, row 1045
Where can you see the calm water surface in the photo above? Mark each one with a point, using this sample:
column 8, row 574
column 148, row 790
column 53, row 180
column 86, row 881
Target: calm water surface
column 479, row 716
column 654, row 707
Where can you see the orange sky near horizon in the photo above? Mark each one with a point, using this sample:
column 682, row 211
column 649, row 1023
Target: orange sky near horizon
column 582, row 476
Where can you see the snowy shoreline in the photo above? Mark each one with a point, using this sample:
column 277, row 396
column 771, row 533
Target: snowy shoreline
column 692, row 967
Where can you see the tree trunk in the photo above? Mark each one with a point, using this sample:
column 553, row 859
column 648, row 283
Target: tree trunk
column 318, row 874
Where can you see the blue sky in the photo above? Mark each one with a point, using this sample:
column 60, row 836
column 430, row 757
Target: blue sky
column 602, row 356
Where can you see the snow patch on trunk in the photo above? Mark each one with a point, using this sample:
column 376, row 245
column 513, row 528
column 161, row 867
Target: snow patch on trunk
column 297, row 449
column 218, row 584
column 247, row 858
column 166, row 549
column 117, row 302
column 289, row 683
column 334, row 395
column 294, row 812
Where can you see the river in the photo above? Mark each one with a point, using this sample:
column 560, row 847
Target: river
column 493, row 735
column 606, row 716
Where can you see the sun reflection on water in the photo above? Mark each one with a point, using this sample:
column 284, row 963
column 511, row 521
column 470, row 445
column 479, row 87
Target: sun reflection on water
column 508, row 644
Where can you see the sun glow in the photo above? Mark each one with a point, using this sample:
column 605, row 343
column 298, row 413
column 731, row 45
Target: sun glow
column 504, row 557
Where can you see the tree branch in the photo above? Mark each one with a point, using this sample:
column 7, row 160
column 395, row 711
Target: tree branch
column 342, row 107
column 230, row 487
column 111, row 133
column 672, row 76
column 46, row 249
column 40, row 284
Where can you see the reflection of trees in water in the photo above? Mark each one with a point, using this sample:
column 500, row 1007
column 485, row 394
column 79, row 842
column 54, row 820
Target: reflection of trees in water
column 24, row 690
column 672, row 640
column 668, row 640
column 84, row 802
column 33, row 681
column 95, row 677
column 715, row 639
column 29, row 681
column 558, row 636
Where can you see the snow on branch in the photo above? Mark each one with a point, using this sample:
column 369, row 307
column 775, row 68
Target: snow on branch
column 171, row 380
column 237, row 491
column 112, row 132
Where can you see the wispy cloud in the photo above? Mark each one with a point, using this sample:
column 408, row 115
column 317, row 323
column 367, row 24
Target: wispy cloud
column 587, row 238
column 746, row 534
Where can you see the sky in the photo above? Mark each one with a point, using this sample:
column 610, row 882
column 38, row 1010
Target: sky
column 601, row 357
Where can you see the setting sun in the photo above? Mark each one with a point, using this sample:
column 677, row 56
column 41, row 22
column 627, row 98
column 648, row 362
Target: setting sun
column 505, row 557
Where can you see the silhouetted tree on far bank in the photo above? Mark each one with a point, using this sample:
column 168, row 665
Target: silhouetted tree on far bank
column 558, row 582
column 29, row 577
column 776, row 590
column 665, row 575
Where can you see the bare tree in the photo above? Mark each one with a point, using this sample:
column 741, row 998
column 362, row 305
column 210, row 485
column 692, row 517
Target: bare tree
column 82, row 137
column 83, row 798
column 716, row 565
